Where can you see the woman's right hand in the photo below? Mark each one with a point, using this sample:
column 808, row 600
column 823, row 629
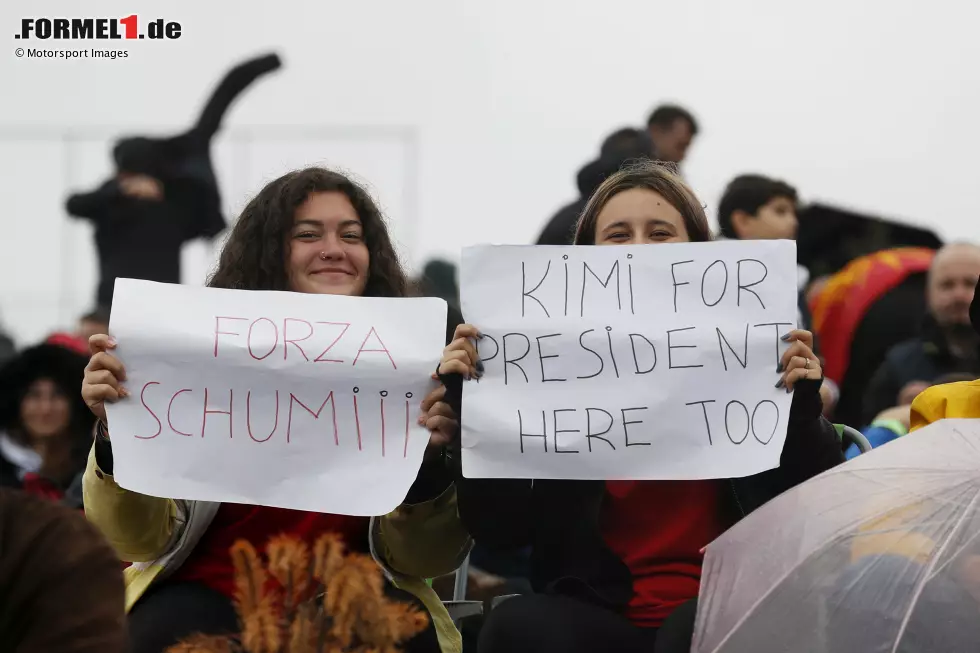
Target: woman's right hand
column 104, row 375
column 459, row 356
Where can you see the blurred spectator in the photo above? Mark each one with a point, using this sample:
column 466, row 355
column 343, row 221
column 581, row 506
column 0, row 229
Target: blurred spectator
column 671, row 128
column 45, row 427
column 438, row 280
column 755, row 207
column 861, row 312
column 893, row 423
column 948, row 343
column 623, row 145
column 61, row 582
column 93, row 323
column 163, row 193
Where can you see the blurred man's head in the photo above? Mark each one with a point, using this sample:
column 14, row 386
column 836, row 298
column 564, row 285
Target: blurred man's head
column 93, row 323
column 952, row 284
column 755, row 207
column 672, row 129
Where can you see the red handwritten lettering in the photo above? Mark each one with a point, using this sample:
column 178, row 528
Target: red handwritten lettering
column 316, row 415
column 143, row 401
column 170, row 408
column 286, row 340
column 383, row 349
column 231, row 404
column 248, row 417
column 274, row 344
column 320, row 358
column 217, row 332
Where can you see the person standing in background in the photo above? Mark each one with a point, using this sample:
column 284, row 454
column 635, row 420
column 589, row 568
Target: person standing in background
column 672, row 129
column 949, row 344
column 622, row 146
column 164, row 193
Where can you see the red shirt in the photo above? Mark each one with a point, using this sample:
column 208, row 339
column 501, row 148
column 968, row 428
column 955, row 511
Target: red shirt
column 658, row 529
column 210, row 562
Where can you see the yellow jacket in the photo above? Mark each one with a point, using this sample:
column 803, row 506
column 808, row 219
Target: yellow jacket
column 411, row 544
column 956, row 400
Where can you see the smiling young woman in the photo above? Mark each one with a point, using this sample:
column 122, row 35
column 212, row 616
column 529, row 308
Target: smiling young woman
column 616, row 565
column 310, row 231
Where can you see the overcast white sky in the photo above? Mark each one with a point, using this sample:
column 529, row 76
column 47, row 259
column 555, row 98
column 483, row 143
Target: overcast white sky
column 867, row 104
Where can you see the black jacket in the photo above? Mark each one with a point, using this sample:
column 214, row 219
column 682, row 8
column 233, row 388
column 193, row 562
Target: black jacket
column 142, row 239
column 925, row 358
column 559, row 520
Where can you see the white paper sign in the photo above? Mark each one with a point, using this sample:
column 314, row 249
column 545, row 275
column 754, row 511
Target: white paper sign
column 628, row 362
column 278, row 399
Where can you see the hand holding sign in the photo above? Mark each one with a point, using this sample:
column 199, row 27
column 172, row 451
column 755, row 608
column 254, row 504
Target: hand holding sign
column 290, row 400
column 632, row 363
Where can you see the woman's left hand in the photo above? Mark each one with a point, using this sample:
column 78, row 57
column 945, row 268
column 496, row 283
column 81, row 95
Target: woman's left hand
column 439, row 418
column 798, row 362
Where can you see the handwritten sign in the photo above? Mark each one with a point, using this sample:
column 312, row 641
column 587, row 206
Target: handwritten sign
column 628, row 362
column 272, row 398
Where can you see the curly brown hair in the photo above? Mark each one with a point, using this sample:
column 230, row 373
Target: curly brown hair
column 254, row 257
column 652, row 175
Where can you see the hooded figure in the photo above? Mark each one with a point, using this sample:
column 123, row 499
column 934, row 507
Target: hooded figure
column 61, row 582
column 619, row 148
column 164, row 194
column 45, row 426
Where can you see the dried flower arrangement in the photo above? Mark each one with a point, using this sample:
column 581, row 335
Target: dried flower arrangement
column 327, row 602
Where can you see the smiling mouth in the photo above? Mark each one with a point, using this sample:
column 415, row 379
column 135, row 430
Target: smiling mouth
column 333, row 271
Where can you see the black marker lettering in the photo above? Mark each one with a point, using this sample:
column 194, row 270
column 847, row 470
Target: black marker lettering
column 724, row 286
column 626, row 430
column 543, row 435
column 611, row 354
column 744, row 360
column 525, row 293
column 542, row 357
column 589, row 435
column 558, row 430
column 746, row 287
column 629, row 268
column 566, row 288
column 704, row 410
column 775, row 424
column 593, row 352
column 513, row 361
column 778, row 335
column 748, row 420
column 496, row 345
column 670, row 348
column 674, row 278
column 605, row 284
column 636, row 361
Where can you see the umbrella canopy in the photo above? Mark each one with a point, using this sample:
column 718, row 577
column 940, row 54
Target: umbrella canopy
column 879, row 554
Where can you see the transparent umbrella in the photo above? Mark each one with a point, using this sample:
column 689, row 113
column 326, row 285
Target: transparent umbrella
column 881, row 554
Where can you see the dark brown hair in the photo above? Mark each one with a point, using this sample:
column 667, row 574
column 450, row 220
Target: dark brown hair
column 254, row 257
column 654, row 176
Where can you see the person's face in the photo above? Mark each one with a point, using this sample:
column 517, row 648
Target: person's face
column 775, row 220
column 639, row 216
column 671, row 143
column 952, row 282
column 45, row 411
column 327, row 252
